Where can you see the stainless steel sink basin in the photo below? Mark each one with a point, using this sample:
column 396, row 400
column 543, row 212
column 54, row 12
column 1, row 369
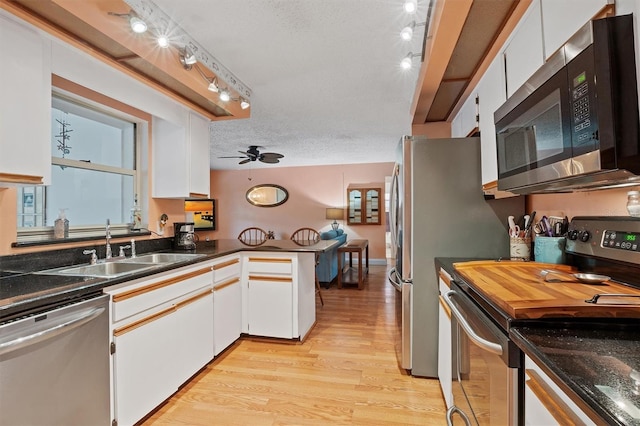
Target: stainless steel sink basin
column 106, row 270
column 163, row 258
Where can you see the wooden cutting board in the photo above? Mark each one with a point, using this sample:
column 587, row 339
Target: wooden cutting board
column 519, row 289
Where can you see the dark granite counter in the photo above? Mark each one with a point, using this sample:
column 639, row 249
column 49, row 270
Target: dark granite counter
column 24, row 290
column 592, row 363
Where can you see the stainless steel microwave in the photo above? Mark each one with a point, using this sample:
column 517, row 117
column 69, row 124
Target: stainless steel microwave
column 574, row 124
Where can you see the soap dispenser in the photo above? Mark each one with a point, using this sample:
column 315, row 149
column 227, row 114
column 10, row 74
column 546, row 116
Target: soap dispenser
column 61, row 226
column 136, row 216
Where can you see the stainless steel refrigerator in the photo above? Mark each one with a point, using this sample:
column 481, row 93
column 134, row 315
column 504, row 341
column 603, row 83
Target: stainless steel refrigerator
column 437, row 209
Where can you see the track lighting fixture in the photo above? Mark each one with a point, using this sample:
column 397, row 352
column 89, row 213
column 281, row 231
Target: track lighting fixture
column 407, row 32
column 410, row 6
column 407, row 61
column 157, row 23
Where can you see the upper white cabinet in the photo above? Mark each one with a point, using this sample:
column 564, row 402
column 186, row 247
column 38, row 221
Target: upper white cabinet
column 25, row 109
column 491, row 94
column 466, row 122
column 181, row 158
column 561, row 19
column 200, row 164
column 524, row 52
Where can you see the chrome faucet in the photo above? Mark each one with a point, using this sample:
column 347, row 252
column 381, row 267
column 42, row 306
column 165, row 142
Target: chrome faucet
column 108, row 237
column 94, row 258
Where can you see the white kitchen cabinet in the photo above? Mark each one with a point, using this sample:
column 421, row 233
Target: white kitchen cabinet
column 561, row 19
column 545, row 404
column 524, row 52
column 181, row 158
column 162, row 328
column 278, row 293
column 491, row 95
column 465, row 122
column 445, row 354
column 25, row 110
column 227, row 303
column 270, row 306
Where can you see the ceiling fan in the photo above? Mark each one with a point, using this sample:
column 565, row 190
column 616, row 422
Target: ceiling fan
column 252, row 154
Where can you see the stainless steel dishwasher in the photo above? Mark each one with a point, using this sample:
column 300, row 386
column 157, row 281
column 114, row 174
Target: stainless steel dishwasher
column 54, row 366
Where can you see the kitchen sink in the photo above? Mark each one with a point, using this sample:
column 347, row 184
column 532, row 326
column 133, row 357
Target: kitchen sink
column 105, row 270
column 163, row 258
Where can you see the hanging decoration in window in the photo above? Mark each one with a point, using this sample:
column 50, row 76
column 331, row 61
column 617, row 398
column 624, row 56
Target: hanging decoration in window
column 63, row 137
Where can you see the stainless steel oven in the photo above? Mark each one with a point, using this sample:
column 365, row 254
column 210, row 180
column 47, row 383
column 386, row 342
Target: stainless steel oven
column 487, row 364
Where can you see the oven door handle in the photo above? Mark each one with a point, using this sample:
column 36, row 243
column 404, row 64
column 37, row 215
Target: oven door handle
column 475, row 338
column 53, row 331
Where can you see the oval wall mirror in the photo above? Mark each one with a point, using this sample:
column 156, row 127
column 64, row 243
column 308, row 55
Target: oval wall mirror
column 267, row 195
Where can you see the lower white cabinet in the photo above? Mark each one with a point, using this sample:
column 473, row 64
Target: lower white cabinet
column 162, row 328
column 278, row 294
column 445, row 355
column 227, row 302
column 270, row 306
column 545, row 404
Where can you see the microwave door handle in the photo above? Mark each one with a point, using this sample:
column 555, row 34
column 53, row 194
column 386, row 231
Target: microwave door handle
column 475, row 338
column 453, row 410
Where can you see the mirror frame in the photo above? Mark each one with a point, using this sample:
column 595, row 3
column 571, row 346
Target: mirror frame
column 266, row 185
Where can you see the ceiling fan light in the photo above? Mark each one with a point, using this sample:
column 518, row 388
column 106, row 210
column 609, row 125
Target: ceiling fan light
column 163, row 41
column 410, row 6
column 244, row 104
column 213, row 87
column 138, row 26
column 225, row 96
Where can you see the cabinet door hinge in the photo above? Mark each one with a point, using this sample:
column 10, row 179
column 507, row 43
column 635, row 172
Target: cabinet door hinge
column 477, row 118
column 112, row 348
column 477, row 100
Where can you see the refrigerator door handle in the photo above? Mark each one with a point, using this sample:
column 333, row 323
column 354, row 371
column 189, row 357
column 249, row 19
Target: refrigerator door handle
column 393, row 213
column 393, row 279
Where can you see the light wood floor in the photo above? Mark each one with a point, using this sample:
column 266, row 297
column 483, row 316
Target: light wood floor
column 346, row 372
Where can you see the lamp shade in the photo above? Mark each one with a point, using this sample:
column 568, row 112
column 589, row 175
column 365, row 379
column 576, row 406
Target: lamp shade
column 335, row 213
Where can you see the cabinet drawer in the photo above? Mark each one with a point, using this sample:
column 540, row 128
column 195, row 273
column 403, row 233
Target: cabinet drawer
column 270, row 265
column 129, row 301
column 226, row 269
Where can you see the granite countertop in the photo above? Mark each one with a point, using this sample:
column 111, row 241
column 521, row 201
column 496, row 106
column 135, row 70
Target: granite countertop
column 591, row 363
column 24, row 290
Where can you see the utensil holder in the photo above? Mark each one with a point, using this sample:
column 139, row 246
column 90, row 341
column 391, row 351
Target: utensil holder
column 549, row 249
column 520, row 248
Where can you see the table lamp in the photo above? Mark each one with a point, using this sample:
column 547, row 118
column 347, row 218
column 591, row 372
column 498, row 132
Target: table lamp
column 334, row 213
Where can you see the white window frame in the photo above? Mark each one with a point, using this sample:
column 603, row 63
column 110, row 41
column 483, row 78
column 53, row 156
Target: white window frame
column 45, row 233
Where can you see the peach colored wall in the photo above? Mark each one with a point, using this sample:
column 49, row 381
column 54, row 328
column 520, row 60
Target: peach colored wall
column 311, row 190
column 610, row 202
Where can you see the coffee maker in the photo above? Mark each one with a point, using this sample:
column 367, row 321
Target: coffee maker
column 183, row 236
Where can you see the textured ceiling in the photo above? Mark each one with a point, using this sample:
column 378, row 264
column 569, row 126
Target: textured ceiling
column 327, row 86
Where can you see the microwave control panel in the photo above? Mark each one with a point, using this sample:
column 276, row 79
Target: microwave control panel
column 584, row 123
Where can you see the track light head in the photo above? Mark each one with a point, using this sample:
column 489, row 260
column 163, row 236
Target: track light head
column 224, row 95
column 187, row 58
column 244, row 104
column 407, row 32
column 138, row 26
column 410, row 6
column 163, row 41
column 407, row 62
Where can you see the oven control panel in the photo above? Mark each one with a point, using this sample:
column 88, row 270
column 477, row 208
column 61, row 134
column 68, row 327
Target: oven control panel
column 607, row 237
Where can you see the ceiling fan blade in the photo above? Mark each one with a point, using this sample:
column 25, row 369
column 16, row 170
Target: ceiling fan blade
column 245, row 161
column 235, row 156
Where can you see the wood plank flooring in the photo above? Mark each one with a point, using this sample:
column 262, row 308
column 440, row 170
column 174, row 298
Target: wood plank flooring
column 346, row 372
